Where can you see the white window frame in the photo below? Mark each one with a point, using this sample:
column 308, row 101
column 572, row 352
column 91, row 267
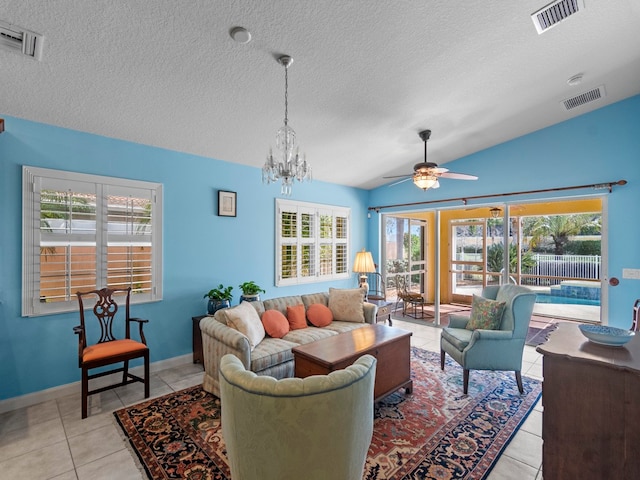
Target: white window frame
column 33, row 179
column 316, row 210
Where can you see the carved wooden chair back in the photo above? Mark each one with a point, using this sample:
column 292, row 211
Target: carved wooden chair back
column 105, row 310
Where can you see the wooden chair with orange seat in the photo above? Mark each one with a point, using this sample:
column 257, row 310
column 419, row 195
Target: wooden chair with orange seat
column 109, row 350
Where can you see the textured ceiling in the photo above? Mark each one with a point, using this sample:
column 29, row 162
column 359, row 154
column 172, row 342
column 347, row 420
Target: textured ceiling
column 367, row 75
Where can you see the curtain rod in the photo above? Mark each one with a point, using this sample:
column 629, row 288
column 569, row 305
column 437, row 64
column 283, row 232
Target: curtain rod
column 595, row 186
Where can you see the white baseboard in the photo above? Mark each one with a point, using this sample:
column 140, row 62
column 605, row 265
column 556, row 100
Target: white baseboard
column 74, row 388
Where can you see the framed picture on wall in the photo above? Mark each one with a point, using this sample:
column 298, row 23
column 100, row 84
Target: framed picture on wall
column 226, row 203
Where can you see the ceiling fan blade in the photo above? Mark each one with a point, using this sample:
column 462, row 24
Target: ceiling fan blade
column 400, row 181
column 458, row 176
column 399, row 176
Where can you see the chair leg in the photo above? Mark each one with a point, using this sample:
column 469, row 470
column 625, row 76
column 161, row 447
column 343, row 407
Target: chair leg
column 85, row 391
column 146, row 375
column 519, row 382
column 465, row 381
column 125, row 371
column 441, row 359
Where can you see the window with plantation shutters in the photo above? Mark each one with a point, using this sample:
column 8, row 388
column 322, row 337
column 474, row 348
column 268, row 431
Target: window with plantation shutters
column 82, row 232
column 312, row 242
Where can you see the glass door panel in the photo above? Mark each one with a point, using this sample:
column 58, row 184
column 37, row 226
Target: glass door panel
column 467, row 257
column 404, row 253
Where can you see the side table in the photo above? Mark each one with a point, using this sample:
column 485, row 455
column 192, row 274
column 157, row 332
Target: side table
column 384, row 310
column 196, row 336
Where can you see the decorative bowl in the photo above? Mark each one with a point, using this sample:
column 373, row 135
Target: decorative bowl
column 603, row 335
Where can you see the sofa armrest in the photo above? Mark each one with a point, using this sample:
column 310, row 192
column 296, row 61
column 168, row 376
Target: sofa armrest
column 224, row 334
column 370, row 312
column 458, row 321
column 217, row 340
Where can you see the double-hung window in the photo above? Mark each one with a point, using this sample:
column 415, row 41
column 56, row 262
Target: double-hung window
column 85, row 232
column 312, row 242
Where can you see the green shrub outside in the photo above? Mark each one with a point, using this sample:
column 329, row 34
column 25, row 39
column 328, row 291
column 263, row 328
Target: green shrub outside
column 495, row 257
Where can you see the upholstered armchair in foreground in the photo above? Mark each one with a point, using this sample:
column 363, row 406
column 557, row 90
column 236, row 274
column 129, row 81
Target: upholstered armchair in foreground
column 491, row 349
column 319, row 427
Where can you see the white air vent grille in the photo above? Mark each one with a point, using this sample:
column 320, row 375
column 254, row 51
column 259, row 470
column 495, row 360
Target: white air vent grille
column 20, row 40
column 555, row 13
column 584, row 98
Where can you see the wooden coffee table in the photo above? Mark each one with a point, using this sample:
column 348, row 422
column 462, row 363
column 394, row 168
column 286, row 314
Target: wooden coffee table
column 391, row 346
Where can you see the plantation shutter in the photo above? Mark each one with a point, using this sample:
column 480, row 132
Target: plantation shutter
column 312, row 242
column 82, row 232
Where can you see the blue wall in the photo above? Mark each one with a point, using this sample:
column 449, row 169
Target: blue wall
column 201, row 249
column 598, row 147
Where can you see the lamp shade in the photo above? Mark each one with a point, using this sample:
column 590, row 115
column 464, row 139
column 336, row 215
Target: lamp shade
column 364, row 262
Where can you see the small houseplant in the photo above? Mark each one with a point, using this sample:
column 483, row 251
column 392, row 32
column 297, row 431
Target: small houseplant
column 219, row 297
column 250, row 291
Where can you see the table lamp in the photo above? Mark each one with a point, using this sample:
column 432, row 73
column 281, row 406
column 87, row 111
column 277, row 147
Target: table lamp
column 363, row 265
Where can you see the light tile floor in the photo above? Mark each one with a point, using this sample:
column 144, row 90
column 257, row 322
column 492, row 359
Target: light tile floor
column 51, row 441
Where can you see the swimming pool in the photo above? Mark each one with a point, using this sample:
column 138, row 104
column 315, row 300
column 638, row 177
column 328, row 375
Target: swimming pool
column 556, row 299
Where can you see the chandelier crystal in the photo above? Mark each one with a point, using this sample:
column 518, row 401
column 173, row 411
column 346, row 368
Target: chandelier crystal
column 292, row 165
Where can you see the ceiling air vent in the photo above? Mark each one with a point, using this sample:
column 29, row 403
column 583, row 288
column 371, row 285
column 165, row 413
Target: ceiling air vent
column 554, row 13
column 20, row 40
column 584, row 98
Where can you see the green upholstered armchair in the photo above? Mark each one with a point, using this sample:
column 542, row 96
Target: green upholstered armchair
column 499, row 349
column 317, row 428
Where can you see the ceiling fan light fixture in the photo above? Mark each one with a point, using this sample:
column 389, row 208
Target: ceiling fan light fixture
column 426, row 174
column 424, row 181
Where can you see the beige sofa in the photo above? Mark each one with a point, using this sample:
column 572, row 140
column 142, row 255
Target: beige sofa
column 271, row 356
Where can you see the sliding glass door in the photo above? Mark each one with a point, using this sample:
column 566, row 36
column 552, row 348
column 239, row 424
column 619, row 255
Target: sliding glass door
column 404, row 253
column 554, row 248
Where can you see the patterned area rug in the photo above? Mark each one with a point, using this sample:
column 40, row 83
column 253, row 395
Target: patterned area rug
column 434, row 433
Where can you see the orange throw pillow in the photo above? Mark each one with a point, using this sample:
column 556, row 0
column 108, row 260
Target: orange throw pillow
column 296, row 316
column 275, row 323
column 319, row 315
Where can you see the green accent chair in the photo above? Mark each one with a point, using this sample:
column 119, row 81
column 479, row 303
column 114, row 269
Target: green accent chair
column 491, row 349
column 316, row 428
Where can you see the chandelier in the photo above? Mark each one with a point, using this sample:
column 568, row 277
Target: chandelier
column 291, row 166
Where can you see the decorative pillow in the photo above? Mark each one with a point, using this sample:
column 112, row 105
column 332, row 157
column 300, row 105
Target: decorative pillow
column 486, row 314
column 319, row 315
column 245, row 319
column 347, row 304
column 275, row 323
column 296, row 317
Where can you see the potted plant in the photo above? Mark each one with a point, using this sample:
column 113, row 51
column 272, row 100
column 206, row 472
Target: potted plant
column 219, row 297
column 250, row 291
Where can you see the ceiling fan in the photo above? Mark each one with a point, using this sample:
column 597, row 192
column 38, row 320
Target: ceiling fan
column 497, row 211
column 425, row 174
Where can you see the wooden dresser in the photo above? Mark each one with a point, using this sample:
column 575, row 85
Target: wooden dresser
column 591, row 399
